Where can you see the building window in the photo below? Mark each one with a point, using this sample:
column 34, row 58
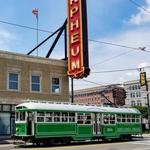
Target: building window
column 132, row 103
column 4, row 124
column 35, row 83
column 139, row 103
column 6, row 108
column 138, row 94
column 55, row 85
column 13, row 83
column 139, row 86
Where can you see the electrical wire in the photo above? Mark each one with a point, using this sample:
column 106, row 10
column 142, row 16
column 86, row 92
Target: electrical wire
column 91, row 82
column 111, row 58
column 139, row 6
column 121, row 70
column 123, row 46
column 108, row 43
column 23, row 26
column 46, row 31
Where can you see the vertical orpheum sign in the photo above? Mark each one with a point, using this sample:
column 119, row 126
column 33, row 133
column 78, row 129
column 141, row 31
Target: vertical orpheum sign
column 78, row 59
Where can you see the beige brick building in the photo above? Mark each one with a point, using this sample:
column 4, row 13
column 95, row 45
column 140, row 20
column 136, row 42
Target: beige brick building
column 25, row 77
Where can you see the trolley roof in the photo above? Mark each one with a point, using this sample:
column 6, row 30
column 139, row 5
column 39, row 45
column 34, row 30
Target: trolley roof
column 74, row 107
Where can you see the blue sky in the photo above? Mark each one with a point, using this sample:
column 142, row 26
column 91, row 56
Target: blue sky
column 115, row 21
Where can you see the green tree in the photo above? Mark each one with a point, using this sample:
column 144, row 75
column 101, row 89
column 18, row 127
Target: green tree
column 143, row 111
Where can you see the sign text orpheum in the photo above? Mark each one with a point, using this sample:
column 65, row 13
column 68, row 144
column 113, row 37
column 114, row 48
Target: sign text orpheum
column 78, row 59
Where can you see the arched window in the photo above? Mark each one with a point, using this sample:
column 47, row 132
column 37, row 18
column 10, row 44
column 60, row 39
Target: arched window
column 139, row 103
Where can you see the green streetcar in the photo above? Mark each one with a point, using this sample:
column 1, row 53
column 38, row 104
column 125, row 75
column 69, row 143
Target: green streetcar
column 49, row 122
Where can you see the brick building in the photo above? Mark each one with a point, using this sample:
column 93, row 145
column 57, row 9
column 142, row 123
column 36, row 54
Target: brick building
column 114, row 93
column 25, row 77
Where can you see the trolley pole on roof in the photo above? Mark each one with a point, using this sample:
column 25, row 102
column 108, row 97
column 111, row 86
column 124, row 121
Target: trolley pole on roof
column 143, row 82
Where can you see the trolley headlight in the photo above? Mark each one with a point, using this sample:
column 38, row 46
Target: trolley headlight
column 17, row 129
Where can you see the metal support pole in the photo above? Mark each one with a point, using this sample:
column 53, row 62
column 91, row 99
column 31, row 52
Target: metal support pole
column 144, row 82
column 72, row 91
column 37, row 24
column 148, row 107
column 65, row 41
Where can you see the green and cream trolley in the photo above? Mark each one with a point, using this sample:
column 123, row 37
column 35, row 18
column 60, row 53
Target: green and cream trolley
column 43, row 122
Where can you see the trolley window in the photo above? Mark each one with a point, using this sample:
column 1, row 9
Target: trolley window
column 112, row 119
column 128, row 118
column 88, row 119
column 22, row 116
column 57, row 116
column 64, row 117
column 109, row 118
column 137, row 118
column 84, row 118
column 133, row 118
column 105, row 119
column 71, row 117
column 40, row 116
column 17, row 116
column 49, row 117
column 119, row 118
column 80, row 118
column 123, row 118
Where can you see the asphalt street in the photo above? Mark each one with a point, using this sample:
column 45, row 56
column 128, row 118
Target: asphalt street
column 135, row 144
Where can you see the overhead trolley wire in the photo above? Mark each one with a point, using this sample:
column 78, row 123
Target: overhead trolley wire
column 91, row 82
column 46, row 31
column 103, row 42
column 139, row 6
column 108, row 43
column 123, row 46
column 23, row 26
column 111, row 58
column 121, row 70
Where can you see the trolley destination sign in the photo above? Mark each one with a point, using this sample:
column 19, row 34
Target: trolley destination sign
column 78, row 61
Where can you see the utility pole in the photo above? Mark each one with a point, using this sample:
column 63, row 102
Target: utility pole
column 35, row 12
column 72, row 91
column 148, row 107
column 143, row 82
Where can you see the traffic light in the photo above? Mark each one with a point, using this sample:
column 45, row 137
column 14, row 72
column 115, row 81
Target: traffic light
column 143, row 81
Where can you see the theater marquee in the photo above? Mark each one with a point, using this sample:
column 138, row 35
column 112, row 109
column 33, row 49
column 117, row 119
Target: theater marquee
column 78, row 59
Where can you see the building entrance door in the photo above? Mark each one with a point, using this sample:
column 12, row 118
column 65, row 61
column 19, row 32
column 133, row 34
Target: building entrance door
column 13, row 127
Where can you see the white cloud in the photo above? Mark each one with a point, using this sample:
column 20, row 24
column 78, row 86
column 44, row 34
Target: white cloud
column 143, row 16
column 138, row 37
column 6, row 39
column 142, row 65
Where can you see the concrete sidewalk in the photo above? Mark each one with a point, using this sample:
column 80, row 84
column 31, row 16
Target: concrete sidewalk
column 10, row 141
column 6, row 140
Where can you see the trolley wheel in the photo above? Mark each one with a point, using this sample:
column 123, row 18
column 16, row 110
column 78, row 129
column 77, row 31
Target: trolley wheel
column 59, row 141
column 65, row 141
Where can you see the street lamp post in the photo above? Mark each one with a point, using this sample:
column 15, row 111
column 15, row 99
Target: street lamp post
column 148, row 107
column 143, row 82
